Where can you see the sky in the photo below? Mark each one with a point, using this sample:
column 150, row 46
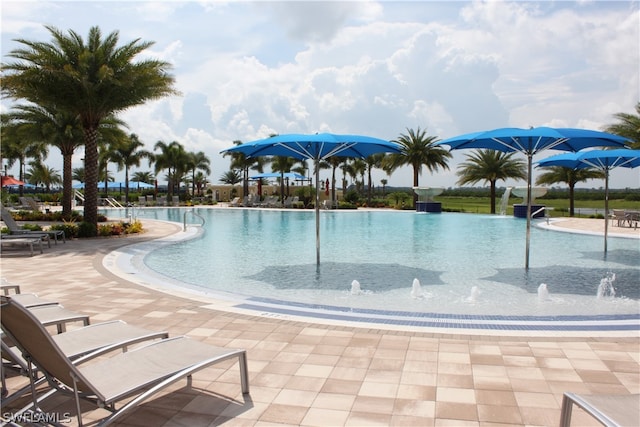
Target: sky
column 246, row 70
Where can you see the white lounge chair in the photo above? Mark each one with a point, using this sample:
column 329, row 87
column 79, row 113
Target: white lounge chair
column 609, row 410
column 135, row 375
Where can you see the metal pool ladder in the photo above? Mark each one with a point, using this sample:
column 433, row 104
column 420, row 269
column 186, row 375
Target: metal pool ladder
column 194, row 213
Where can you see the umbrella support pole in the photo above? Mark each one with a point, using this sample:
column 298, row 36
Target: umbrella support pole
column 528, row 244
column 317, row 207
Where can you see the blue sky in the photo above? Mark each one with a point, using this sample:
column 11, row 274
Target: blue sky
column 246, row 70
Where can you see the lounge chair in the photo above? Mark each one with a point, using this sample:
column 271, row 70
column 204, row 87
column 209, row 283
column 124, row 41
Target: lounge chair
column 235, row 202
column 618, row 217
column 81, row 344
column 29, row 203
column 135, row 375
column 609, row 410
column 14, row 229
column 28, row 241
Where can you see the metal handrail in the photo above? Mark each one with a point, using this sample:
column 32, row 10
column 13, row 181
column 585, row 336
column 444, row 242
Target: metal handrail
column 184, row 219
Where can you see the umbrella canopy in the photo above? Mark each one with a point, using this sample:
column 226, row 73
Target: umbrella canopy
column 8, row 181
column 530, row 142
column 117, row 184
column 290, row 175
column 605, row 160
column 316, row 147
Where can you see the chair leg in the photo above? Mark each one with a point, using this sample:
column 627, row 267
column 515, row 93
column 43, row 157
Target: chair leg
column 565, row 414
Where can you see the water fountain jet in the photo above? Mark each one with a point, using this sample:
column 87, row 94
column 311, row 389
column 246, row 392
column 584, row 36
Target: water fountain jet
column 416, row 289
column 355, row 288
column 605, row 288
column 473, row 297
column 543, row 292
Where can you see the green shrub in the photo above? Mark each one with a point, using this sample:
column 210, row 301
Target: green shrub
column 352, row 196
column 32, row 227
column 70, row 229
column 87, row 229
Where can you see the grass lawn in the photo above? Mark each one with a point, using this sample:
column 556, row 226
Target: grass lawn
column 560, row 206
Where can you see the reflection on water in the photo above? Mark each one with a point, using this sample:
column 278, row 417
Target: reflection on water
column 335, row 275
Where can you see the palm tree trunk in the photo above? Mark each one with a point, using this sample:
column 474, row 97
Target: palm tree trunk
column 493, row 196
column 126, row 185
column 416, row 173
column 67, row 185
column 91, row 176
column 571, row 200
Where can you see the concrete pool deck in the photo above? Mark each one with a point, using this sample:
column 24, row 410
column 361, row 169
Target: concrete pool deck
column 313, row 374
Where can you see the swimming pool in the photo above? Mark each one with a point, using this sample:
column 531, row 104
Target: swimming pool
column 467, row 265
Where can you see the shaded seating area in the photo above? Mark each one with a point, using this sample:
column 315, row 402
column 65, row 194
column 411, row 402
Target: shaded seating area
column 130, row 377
column 609, row 410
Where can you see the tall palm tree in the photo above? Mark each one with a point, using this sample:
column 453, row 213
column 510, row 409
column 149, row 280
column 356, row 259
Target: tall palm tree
column 174, row 158
column 197, row 162
column 555, row 174
column 490, row 166
column 127, row 154
column 92, row 79
column 418, row 150
column 628, row 126
column 143, row 176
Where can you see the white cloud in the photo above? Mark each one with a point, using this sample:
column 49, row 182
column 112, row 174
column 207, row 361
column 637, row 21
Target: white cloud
column 250, row 69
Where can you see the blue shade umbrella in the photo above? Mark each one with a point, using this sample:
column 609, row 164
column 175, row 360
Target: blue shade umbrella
column 316, row 147
column 604, row 160
column 290, row 175
column 530, row 142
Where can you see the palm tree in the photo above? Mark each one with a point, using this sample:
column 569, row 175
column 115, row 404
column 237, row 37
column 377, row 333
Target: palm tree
column 490, row 166
column 199, row 181
column 128, row 154
column 174, row 158
column 197, row 162
column 41, row 174
column 231, row 177
column 92, row 79
column 334, row 163
column 240, row 162
column 50, row 126
column 373, row 161
column 418, row 150
column 628, row 126
column 384, row 183
column 282, row 164
column 78, row 174
column 555, row 174
column 17, row 148
column 54, row 127
column 359, row 168
column 146, row 177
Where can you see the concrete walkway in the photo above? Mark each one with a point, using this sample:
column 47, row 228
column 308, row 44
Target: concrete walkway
column 327, row 375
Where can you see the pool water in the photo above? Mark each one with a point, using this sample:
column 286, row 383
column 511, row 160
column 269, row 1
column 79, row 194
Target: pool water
column 465, row 263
